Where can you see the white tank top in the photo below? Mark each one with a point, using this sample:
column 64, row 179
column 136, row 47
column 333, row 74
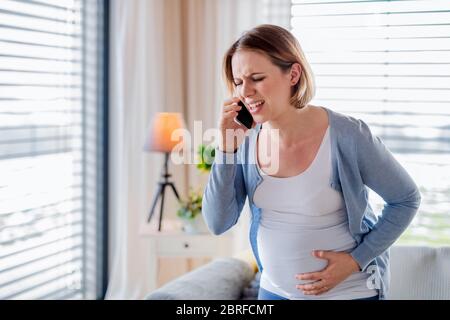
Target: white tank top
column 301, row 214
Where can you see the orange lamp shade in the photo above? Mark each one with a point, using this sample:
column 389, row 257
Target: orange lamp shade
column 160, row 135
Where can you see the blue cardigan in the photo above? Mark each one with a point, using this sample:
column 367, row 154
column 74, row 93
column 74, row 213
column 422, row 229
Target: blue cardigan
column 359, row 160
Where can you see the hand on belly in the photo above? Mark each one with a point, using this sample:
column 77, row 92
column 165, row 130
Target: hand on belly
column 339, row 266
column 283, row 270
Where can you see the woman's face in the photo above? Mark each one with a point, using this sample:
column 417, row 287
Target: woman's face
column 263, row 87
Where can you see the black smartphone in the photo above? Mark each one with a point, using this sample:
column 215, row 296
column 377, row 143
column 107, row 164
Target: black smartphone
column 244, row 116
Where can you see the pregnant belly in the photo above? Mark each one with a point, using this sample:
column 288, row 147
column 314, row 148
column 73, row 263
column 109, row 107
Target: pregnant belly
column 285, row 254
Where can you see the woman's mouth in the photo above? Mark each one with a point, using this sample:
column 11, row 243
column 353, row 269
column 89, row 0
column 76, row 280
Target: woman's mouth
column 255, row 107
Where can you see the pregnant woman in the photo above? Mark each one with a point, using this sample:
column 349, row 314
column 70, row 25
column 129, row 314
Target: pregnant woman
column 306, row 171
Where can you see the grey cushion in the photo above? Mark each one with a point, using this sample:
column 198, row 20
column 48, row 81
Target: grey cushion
column 251, row 291
column 420, row 273
column 221, row 279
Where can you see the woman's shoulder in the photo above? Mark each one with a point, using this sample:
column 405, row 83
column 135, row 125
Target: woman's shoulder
column 347, row 125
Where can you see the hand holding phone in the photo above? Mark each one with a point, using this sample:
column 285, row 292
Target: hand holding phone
column 232, row 130
column 244, row 116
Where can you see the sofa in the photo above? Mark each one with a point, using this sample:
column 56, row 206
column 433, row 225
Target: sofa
column 417, row 273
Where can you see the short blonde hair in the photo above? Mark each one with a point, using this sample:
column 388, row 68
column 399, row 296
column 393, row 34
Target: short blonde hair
column 283, row 49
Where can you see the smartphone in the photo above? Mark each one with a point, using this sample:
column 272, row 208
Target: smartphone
column 244, row 116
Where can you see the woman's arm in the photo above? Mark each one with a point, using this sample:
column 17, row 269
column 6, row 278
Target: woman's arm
column 225, row 193
column 382, row 173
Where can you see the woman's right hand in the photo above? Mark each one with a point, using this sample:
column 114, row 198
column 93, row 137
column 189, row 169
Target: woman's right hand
column 232, row 134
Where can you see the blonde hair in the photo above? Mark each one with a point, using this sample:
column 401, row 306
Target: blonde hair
column 283, row 50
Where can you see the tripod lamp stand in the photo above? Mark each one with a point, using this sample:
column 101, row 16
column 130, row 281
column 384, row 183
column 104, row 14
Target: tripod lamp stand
column 160, row 140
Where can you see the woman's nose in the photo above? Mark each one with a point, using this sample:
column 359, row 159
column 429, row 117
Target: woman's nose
column 247, row 89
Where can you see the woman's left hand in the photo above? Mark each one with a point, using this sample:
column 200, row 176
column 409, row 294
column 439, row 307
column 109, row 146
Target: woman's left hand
column 340, row 266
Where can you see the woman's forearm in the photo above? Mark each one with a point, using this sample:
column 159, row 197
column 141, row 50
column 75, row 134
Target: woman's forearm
column 225, row 193
column 395, row 218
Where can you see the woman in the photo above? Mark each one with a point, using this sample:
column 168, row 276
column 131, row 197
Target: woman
column 305, row 170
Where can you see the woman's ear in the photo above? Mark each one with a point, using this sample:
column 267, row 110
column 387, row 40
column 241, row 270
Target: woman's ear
column 296, row 71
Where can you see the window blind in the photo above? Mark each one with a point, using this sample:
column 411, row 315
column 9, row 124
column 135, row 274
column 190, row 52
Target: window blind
column 388, row 63
column 52, row 145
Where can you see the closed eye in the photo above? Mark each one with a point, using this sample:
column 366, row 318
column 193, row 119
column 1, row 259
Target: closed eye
column 256, row 80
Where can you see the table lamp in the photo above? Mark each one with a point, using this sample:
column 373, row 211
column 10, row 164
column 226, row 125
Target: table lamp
column 159, row 139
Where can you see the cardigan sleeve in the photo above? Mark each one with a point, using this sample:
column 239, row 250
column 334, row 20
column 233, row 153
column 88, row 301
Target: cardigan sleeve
column 382, row 173
column 225, row 193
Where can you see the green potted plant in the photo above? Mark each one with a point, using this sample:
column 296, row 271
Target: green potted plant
column 190, row 210
column 206, row 154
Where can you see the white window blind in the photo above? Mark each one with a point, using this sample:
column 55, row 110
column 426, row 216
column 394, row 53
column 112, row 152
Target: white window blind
column 388, row 63
column 51, row 149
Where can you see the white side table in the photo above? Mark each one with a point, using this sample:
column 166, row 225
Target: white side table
column 177, row 244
